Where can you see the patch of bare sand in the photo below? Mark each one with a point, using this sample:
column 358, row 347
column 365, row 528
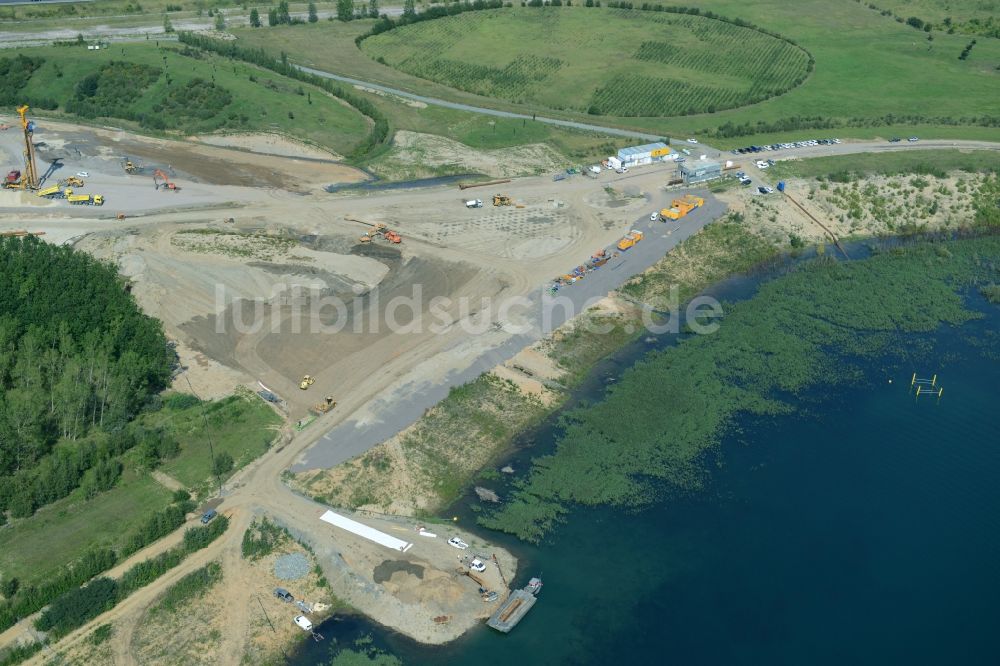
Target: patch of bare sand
column 416, row 155
column 197, row 630
column 870, row 206
column 266, row 143
column 209, row 379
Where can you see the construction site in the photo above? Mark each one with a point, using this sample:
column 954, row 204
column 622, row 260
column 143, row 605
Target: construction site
column 353, row 312
column 245, row 258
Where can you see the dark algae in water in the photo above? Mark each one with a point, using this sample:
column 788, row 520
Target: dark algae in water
column 814, row 326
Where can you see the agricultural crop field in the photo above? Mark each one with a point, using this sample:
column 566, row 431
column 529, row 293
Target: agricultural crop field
column 873, row 76
column 615, row 62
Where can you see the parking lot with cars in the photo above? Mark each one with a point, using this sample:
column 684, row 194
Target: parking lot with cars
column 809, row 143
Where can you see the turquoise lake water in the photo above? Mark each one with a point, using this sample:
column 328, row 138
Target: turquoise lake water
column 863, row 530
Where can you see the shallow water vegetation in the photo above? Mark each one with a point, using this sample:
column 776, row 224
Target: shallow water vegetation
column 811, row 325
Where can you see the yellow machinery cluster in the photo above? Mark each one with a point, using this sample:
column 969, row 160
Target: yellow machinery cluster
column 681, row 207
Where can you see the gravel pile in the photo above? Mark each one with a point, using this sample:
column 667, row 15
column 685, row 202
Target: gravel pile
column 291, row 567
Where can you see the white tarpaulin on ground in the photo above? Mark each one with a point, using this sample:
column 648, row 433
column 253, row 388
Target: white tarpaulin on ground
column 362, row 530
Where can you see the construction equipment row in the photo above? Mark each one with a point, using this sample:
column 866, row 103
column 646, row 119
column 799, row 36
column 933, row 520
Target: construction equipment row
column 681, row 207
column 55, row 192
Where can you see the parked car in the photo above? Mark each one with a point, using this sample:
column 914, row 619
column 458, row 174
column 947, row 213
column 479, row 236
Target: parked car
column 692, row 140
column 685, row 151
column 207, row 517
column 82, row 174
column 303, row 623
column 913, row 138
column 477, row 565
column 283, row 594
column 745, row 182
column 765, row 190
column 457, row 543
column 835, row 140
column 653, row 216
column 741, row 174
column 895, row 139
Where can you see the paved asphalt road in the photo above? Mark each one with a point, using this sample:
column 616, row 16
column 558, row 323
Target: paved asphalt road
column 405, row 405
column 635, row 134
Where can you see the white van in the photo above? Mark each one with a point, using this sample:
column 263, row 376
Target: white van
column 303, row 623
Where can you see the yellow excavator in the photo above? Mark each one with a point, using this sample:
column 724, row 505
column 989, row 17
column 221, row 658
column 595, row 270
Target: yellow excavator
column 129, row 165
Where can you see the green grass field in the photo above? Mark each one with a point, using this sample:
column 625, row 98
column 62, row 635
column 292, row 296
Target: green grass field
column 867, row 67
column 919, row 161
column 270, row 102
column 242, row 428
column 57, row 534
column 619, row 63
column 36, row 547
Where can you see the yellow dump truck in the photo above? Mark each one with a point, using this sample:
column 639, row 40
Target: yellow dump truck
column 86, row 199
column 53, row 191
column 630, row 239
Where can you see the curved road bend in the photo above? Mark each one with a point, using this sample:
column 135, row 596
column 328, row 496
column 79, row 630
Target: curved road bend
column 635, row 134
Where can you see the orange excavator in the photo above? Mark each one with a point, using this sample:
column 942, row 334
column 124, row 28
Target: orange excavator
column 160, row 179
column 377, row 230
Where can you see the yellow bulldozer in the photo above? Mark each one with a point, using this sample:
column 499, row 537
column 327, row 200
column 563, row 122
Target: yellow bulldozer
column 129, row 166
column 306, row 382
column 72, row 181
column 501, row 200
column 325, row 406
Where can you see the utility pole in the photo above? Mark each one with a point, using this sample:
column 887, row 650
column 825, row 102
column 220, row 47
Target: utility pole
column 208, row 435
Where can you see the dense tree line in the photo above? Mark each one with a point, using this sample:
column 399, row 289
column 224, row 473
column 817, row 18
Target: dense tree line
column 410, row 15
column 77, row 357
column 379, row 135
column 30, row 598
column 78, row 605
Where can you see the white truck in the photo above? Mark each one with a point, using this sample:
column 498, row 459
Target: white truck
column 614, row 163
column 474, row 203
column 594, row 169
